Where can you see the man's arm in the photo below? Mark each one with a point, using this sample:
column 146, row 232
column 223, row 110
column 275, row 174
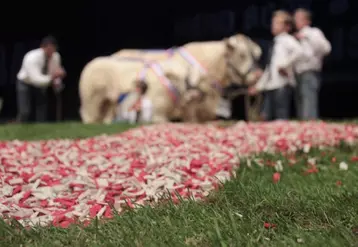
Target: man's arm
column 34, row 73
column 306, row 48
column 58, row 63
column 319, row 42
column 57, row 83
column 260, row 84
column 293, row 52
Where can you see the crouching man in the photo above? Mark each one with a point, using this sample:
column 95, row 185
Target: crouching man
column 135, row 107
column 40, row 68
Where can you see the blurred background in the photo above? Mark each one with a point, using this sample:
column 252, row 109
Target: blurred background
column 94, row 28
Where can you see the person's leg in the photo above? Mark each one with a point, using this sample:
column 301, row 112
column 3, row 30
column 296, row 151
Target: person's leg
column 298, row 97
column 267, row 110
column 282, row 100
column 23, row 91
column 132, row 117
column 41, row 104
column 310, row 85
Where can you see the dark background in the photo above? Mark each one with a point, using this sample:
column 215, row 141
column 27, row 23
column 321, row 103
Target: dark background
column 94, row 28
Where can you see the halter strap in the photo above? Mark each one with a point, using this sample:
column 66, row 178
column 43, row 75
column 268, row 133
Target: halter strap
column 172, row 90
column 194, row 62
column 158, row 71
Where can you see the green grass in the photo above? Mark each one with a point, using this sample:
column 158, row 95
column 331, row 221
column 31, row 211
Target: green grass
column 55, row 131
column 309, row 210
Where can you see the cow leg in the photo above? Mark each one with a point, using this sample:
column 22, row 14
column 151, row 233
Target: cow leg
column 161, row 108
column 207, row 115
column 109, row 112
column 92, row 109
column 206, row 111
column 190, row 115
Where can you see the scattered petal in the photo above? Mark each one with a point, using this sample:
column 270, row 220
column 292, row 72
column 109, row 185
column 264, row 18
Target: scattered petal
column 240, row 215
column 276, row 177
column 354, row 159
column 57, row 181
column 248, row 163
column 278, row 166
column 300, row 241
column 311, row 170
column 343, row 166
column 269, row 225
column 306, row 148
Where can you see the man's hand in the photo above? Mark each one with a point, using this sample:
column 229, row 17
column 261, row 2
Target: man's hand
column 283, row 72
column 59, row 73
column 299, row 35
column 258, row 73
column 252, row 90
column 137, row 105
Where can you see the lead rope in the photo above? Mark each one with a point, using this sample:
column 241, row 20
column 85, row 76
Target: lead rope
column 252, row 110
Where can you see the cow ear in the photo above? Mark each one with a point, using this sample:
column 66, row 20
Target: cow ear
column 256, row 49
column 231, row 42
column 194, row 76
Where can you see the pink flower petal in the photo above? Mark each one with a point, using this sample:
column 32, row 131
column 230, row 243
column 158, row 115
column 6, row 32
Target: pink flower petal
column 57, row 180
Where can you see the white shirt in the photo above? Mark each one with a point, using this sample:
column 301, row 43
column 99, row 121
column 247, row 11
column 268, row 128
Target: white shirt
column 31, row 67
column 285, row 51
column 315, row 47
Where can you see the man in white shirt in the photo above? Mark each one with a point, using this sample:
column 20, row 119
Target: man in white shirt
column 40, row 68
column 308, row 67
column 278, row 78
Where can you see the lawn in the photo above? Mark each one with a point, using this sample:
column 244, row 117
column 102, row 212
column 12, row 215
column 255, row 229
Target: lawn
column 54, row 131
column 310, row 205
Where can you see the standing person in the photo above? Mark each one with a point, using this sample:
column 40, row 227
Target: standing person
column 308, row 68
column 278, row 77
column 40, row 68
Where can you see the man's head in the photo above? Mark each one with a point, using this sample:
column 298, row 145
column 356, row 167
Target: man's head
column 142, row 87
column 281, row 22
column 49, row 45
column 302, row 18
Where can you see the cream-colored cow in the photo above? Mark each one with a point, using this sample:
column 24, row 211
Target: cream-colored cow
column 104, row 79
column 147, row 55
column 229, row 60
column 239, row 52
column 232, row 60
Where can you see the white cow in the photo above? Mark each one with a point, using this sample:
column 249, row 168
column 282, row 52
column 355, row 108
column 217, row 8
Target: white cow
column 104, row 79
column 216, row 62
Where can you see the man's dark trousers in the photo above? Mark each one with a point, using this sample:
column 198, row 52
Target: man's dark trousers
column 31, row 99
column 276, row 104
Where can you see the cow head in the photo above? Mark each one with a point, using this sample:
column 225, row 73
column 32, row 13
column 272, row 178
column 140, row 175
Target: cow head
column 192, row 84
column 242, row 59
